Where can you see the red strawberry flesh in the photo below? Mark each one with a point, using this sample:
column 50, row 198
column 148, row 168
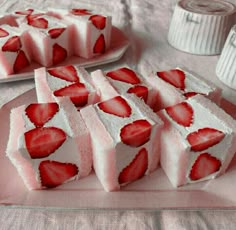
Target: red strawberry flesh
column 204, row 138
column 136, row 169
column 98, row 21
column 77, row 92
column 139, row 91
column 204, row 166
column 124, row 74
column 55, row 33
column 39, row 114
column 13, row 44
column 100, row 45
column 42, row 142
column 59, row 54
column 20, row 62
column 54, row 173
column 41, row 23
column 80, row 12
column 181, row 113
column 25, row 12
column 174, row 77
column 67, row 73
column 3, row 33
column 136, row 133
column 117, row 106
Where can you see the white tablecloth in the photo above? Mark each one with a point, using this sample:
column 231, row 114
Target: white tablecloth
column 146, row 25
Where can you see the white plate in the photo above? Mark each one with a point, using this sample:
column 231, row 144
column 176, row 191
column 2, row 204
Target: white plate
column 119, row 44
column 153, row 192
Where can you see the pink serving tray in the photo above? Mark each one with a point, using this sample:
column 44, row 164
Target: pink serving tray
column 119, row 44
column 152, row 192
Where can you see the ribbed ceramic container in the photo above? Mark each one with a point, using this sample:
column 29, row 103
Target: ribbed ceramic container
column 201, row 26
column 226, row 65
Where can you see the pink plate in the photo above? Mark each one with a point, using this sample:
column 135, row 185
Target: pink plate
column 153, row 192
column 119, row 44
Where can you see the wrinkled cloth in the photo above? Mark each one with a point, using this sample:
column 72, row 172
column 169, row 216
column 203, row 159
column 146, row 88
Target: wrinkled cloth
column 146, row 25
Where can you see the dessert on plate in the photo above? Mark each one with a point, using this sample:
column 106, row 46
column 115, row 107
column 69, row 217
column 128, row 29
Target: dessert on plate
column 65, row 81
column 123, row 80
column 125, row 139
column 49, row 144
column 198, row 141
column 176, row 85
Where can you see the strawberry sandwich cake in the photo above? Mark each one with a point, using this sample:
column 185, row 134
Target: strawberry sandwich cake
column 125, row 139
column 198, row 141
column 91, row 32
column 180, row 84
column 48, row 39
column 122, row 81
column 13, row 53
column 49, row 144
column 65, row 81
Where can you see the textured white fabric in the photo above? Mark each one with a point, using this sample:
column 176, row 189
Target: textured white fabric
column 146, row 24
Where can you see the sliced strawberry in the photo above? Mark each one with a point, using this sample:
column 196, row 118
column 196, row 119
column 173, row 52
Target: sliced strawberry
column 39, row 114
column 3, row 33
column 124, row 74
column 174, row 77
column 42, row 142
column 59, row 54
column 77, row 92
column 136, row 133
column 20, row 62
column 67, row 73
column 13, row 44
column 140, row 91
column 136, row 169
column 117, row 106
column 190, row 94
column 204, row 138
column 34, row 21
column 100, row 45
column 56, row 32
column 181, row 113
column 31, row 17
column 80, row 12
column 98, row 21
column 25, row 12
column 204, row 166
column 54, row 173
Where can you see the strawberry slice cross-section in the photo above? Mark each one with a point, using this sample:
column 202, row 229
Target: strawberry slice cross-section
column 54, row 173
column 59, row 54
column 13, row 44
column 136, row 169
column 136, row 133
column 117, row 106
column 174, row 77
column 34, row 21
column 39, row 114
column 56, row 32
column 42, row 142
column 181, row 113
column 204, row 138
column 140, row 91
column 3, row 33
column 124, row 74
column 20, row 62
column 204, row 166
column 98, row 21
column 100, row 45
column 67, row 73
column 77, row 92
column 80, row 12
